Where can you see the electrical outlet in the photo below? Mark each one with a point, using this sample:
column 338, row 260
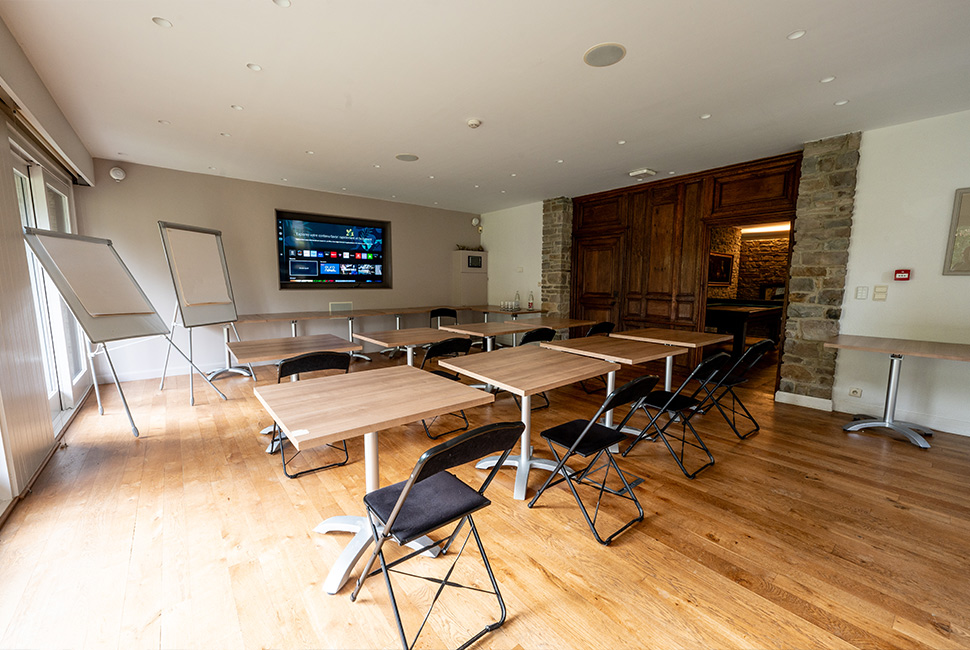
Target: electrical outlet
column 855, row 392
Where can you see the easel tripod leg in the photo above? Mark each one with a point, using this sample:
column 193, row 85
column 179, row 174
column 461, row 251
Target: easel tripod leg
column 134, row 429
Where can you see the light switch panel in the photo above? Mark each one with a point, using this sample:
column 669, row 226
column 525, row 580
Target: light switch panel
column 880, row 292
column 861, row 293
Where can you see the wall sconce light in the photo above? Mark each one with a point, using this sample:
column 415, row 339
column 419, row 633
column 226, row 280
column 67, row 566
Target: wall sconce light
column 117, row 173
column 477, row 223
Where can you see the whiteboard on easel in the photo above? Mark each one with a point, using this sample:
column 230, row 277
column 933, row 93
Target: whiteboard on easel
column 96, row 285
column 197, row 262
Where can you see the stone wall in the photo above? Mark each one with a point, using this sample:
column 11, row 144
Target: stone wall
column 764, row 262
column 726, row 239
column 557, row 238
column 823, row 220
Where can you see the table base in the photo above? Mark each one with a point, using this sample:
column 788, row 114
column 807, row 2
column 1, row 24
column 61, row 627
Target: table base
column 912, row 432
column 363, row 537
column 522, row 470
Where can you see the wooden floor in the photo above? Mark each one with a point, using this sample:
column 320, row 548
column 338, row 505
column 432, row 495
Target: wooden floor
column 191, row 537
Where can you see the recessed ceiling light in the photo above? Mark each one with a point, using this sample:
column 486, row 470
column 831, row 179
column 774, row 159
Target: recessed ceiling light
column 212, row 168
column 826, row 80
column 671, row 173
column 226, row 135
column 604, row 54
column 406, row 157
column 393, row 196
column 283, row 179
column 343, row 189
column 436, row 203
column 797, row 34
column 705, row 116
column 308, row 152
column 431, row 177
column 621, row 141
column 842, row 102
column 376, row 166
column 122, row 153
column 512, row 175
column 560, row 161
column 161, row 22
column 476, row 187
column 165, row 122
column 503, row 191
column 282, row 3
column 255, row 67
column 236, row 107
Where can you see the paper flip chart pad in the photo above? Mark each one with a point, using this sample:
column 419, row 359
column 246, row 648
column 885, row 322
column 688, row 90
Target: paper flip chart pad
column 197, row 266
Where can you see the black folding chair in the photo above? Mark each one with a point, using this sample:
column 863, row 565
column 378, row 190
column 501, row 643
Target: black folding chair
column 681, row 407
column 442, row 312
column 430, row 499
column 727, row 379
column 310, row 362
column 589, row 438
column 447, row 348
column 604, row 327
column 537, row 335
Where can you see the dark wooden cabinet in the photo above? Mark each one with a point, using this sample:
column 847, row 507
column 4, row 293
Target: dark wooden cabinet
column 640, row 253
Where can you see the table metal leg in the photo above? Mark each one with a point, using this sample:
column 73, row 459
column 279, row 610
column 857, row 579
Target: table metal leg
column 350, row 337
column 888, row 421
column 668, row 373
column 359, row 526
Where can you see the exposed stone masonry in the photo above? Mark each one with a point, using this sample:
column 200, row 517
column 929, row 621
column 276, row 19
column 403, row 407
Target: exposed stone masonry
column 823, row 220
column 763, row 262
column 726, row 239
column 557, row 238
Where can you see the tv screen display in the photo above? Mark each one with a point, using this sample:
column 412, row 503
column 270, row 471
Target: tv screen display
column 324, row 252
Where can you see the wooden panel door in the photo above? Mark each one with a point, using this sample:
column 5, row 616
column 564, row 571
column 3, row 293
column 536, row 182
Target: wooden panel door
column 597, row 264
column 687, row 292
column 663, row 243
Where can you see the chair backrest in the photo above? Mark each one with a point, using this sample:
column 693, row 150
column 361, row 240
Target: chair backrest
column 705, row 372
column 443, row 312
column 538, row 335
column 448, row 347
column 467, row 448
column 631, row 392
column 749, row 359
column 312, row 362
column 604, row 327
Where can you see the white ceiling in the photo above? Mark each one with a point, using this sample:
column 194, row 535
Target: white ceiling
column 360, row 81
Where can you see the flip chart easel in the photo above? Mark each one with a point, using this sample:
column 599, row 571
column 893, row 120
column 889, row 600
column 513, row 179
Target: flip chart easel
column 101, row 293
column 203, row 292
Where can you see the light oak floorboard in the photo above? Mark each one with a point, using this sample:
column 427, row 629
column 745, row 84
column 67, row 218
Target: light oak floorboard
column 191, row 537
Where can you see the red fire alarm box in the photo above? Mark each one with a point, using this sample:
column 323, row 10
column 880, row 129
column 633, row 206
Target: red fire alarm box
column 901, row 274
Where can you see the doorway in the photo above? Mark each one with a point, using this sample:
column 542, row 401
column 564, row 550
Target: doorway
column 747, row 289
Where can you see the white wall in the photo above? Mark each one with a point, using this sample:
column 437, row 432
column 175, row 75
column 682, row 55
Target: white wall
column 904, row 201
column 128, row 213
column 513, row 239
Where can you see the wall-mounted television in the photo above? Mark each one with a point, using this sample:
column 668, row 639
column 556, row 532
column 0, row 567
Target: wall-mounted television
column 316, row 251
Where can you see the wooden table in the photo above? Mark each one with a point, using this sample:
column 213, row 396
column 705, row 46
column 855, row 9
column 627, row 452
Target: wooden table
column 896, row 349
column 616, row 350
column 735, row 318
column 556, row 322
column 407, row 338
column 489, row 331
column 496, row 309
column 289, row 346
column 526, row 371
column 679, row 338
column 296, row 316
column 325, row 410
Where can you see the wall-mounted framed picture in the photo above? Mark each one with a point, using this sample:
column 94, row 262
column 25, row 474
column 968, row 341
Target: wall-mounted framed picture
column 719, row 269
column 958, row 244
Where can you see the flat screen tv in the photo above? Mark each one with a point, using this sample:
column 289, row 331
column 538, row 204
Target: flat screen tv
column 317, row 251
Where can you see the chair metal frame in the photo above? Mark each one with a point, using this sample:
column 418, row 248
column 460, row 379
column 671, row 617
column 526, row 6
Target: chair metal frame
column 449, row 347
column 633, row 393
column 309, row 362
column 728, row 380
column 682, row 408
column 433, row 464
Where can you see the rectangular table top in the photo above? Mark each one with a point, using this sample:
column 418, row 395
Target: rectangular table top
column 282, row 348
column 494, row 309
column 528, row 370
column 406, row 337
column 555, row 322
column 617, row 350
column 904, row 347
column 308, row 315
column 328, row 409
column 492, row 328
column 682, row 338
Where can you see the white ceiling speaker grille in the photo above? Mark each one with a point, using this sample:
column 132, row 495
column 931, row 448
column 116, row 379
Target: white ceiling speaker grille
column 604, row 54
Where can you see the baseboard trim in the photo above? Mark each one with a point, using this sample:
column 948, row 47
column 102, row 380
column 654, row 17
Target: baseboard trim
column 816, row 403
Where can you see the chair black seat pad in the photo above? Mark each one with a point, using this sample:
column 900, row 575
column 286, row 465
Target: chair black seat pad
column 431, row 504
column 598, row 437
column 659, row 399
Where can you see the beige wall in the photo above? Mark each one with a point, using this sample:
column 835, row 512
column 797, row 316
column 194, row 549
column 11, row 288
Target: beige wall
column 128, row 212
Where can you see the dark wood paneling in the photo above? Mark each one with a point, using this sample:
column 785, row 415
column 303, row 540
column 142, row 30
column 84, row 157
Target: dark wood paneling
column 600, row 215
column 597, row 263
column 755, row 189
